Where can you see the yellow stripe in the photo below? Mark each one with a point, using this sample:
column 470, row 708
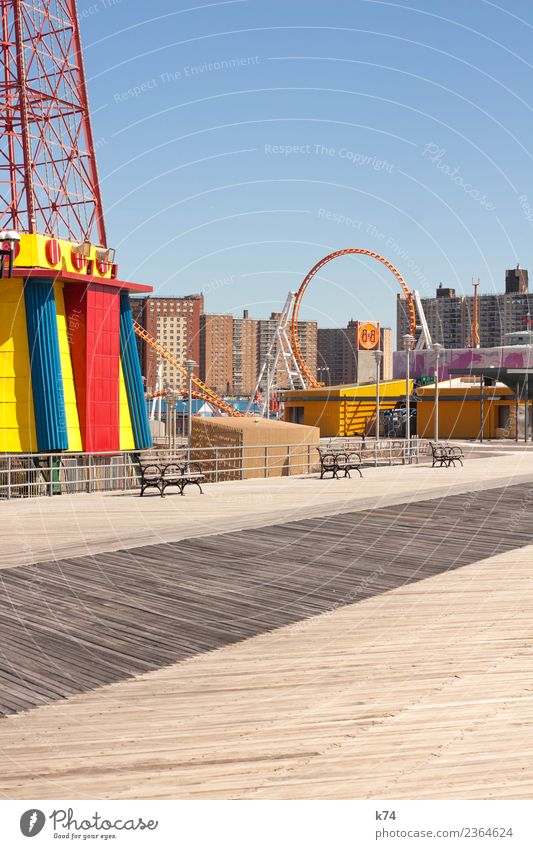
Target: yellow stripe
column 17, row 420
column 71, row 407
column 127, row 440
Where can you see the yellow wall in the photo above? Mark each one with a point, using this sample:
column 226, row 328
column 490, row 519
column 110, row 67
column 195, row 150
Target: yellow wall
column 17, row 423
column 71, row 408
column 33, row 254
column 459, row 418
column 344, row 410
column 127, row 440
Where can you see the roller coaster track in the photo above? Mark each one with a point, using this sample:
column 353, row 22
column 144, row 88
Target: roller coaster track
column 312, row 382
column 202, row 390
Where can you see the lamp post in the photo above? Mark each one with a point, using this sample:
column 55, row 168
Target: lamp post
column 269, row 359
column 190, row 365
column 408, row 340
column 437, row 348
column 379, row 358
column 324, row 369
column 9, row 239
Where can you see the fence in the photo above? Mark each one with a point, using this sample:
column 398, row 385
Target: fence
column 34, row 475
column 383, row 452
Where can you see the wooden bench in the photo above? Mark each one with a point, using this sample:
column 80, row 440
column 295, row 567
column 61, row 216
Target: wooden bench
column 175, row 473
column 339, row 461
column 444, row 454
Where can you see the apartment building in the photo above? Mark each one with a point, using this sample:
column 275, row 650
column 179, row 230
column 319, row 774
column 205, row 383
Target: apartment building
column 175, row 323
column 450, row 316
column 245, row 365
column 216, row 352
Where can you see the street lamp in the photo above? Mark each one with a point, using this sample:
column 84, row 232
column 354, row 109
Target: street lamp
column 9, row 239
column 379, row 358
column 437, row 348
column 190, row 365
column 408, row 340
column 326, row 370
column 269, row 359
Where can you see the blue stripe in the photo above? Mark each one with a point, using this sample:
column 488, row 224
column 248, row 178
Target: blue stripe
column 46, row 375
column 132, row 376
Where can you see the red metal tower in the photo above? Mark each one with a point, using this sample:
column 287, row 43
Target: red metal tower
column 48, row 174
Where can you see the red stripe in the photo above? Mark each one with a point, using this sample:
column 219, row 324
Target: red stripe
column 53, row 251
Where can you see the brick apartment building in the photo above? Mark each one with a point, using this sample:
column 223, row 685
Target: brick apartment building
column 175, row 323
column 245, row 354
column 216, row 352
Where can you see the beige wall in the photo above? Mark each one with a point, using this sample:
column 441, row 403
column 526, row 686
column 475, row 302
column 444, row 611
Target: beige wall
column 264, row 448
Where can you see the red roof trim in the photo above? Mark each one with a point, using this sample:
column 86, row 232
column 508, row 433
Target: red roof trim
column 80, row 278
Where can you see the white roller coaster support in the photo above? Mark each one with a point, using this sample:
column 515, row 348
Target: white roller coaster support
column 157, row 399
column 424, row 340
column 279, row 352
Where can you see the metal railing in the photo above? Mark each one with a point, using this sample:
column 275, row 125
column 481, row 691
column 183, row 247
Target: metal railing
column 382, row 452
column 35, row 475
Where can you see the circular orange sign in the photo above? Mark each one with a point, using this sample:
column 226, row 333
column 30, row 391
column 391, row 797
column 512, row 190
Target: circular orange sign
column 368, row 336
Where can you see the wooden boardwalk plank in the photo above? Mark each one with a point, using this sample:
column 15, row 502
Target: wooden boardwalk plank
column 80, row 623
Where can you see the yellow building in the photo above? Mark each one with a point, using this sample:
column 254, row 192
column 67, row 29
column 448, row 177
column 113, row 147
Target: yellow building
column 460, row 410
column 346, row 410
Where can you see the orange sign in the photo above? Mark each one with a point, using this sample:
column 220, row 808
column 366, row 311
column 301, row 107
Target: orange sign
column 367, row 336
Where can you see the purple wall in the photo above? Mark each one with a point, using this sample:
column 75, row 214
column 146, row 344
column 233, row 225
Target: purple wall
column 423, row 362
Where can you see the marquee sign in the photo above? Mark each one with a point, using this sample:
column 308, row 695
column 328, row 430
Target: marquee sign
column 367, row 336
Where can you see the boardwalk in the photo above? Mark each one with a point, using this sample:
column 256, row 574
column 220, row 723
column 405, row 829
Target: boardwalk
column 76, row 624
column 381, row 653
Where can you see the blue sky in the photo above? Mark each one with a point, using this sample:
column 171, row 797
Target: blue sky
column 240, row 142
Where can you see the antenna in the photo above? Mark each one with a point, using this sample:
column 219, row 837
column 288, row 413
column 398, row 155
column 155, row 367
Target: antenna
column 475, row 319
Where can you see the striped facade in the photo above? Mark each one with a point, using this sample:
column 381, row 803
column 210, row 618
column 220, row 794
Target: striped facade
column 70, row 378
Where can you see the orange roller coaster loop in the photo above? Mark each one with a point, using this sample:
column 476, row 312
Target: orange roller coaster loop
column 312, row 382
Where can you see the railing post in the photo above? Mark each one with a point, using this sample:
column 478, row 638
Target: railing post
column 266, row 460
column 308, row 458
column 288, row 460
column 216, row 465
column 9, row 478
column 50, row 473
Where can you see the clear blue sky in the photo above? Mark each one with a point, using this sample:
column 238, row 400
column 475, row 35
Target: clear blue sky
column 239, row 142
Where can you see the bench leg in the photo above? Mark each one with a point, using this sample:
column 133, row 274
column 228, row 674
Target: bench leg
column 189, row 483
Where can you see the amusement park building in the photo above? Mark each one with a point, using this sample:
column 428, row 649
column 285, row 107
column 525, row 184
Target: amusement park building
column 342, row 410
column 69, row 369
